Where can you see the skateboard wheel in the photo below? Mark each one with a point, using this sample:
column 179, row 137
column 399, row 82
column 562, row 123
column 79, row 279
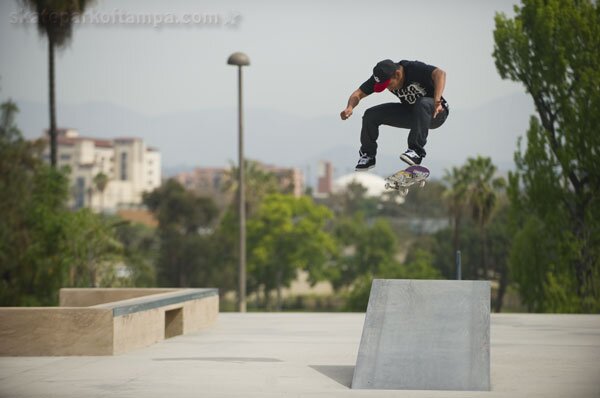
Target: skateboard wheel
column 422, row 184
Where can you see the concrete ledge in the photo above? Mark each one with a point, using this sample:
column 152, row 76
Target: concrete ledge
column 86, row 297
column 144, row 321
column 39, row 331
column 155, row 300
column 109, row 328
column 425, row 335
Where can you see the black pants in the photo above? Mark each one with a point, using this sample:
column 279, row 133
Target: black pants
column 417, row 118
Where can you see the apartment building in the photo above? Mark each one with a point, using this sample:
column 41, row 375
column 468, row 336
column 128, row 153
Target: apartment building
column 131, row 168
column 324, row 180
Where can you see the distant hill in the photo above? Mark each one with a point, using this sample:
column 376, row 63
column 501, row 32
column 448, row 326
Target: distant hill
column 208, row 137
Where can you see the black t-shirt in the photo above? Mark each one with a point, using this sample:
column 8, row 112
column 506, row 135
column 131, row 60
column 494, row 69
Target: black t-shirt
column 417, row 83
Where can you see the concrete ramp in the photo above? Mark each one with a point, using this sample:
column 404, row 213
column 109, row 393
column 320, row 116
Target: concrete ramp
column 425, row 335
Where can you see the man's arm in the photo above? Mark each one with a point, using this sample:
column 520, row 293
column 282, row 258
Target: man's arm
column 353, row 101
column 439, row 82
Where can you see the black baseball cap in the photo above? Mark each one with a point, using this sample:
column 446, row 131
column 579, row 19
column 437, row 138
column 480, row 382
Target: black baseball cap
column 382, row 73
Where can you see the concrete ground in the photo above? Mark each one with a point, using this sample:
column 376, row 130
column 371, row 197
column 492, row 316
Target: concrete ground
column 309, row 355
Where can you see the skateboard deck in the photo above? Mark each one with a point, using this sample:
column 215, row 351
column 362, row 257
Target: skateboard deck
column 402, row 180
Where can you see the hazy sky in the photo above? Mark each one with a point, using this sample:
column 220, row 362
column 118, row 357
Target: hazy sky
column 307, row 56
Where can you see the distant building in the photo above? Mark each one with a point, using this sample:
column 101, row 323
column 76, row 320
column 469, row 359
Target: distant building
column 291, row 180
column 324, row 179
column 131, row 168
column 210, row 181
column 206, row 181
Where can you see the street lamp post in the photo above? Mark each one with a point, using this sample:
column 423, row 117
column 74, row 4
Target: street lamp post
column 241, row 59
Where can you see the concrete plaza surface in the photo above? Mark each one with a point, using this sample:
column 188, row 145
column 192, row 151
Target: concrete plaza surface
column 309, row 355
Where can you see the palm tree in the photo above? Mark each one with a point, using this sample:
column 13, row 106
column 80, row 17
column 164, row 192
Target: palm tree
column 55, row 21
column 481, row 192
column 258, row 183
column 456, row 197
column 100, row 182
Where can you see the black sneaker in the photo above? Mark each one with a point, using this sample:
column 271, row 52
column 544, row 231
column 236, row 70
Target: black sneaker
column 365, row 162
column 411, row 157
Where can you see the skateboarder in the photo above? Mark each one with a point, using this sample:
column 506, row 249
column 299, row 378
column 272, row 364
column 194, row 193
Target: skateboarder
column 419, row 88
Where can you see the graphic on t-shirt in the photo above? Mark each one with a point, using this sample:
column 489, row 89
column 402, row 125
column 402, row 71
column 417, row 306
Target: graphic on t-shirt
column 410, row 93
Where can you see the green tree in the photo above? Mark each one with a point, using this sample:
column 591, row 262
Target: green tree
column 419, row 268
column 185, row 226
column 552, row 48
column 43, row 245
column 93, row 251
column 100, row 183
column 376, row 248
column 140, row 248
column 439, row 245
column 285, row 235
column 420, row 203
column 258, row 183
column 482, row 190
column 483, row 240
column 500, row 240
column 224, row 253
column 353, row 199
column 455, row 197
column 369, row 251
column 31, row 202
column 364, row 246
column 473, row 187
column 55, row 21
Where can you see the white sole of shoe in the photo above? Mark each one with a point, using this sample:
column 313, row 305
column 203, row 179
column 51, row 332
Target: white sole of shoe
column 367, row 169
column 408, row 160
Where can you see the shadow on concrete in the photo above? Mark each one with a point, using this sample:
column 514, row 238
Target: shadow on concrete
column 220, row 359
column 341, row 374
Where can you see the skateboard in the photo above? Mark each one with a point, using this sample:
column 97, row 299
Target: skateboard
column 402, row 180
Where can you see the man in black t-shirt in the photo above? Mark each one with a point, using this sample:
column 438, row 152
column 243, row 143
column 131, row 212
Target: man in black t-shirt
column 419, row 88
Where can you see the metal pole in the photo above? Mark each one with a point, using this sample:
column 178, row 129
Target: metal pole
column 458, row 266
column 242, row 198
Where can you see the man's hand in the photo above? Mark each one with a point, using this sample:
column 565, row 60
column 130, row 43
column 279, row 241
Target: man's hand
column 354, row 99
column 346, row 113
column 438, row 108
